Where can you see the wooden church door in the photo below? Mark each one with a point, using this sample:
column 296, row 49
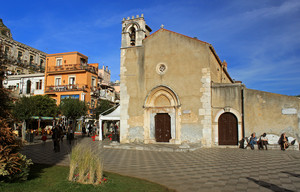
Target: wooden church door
column 162, row 127
column 228, row 129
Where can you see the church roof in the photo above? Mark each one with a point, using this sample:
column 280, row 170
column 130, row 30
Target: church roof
column 163, row 29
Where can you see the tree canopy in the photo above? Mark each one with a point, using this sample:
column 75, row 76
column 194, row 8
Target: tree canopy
column 38, row 105
column 44, row 106
column 23, row 108
column 5, row 103
column 103, row 106
column 5, row 99
column 72, row 108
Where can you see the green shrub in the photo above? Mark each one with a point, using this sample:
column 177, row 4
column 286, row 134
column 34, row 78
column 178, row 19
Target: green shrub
column 13, row 165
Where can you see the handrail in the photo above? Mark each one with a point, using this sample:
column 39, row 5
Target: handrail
column 72, row 67
column 70, row 87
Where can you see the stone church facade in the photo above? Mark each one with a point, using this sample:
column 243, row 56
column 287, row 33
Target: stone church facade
column 175, row 89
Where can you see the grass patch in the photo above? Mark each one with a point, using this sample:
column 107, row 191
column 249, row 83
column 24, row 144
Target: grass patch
column 55, row 178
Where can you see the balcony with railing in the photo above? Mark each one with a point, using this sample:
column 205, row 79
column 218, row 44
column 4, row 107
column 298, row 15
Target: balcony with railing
column 106, row 94
column 11, row 60
column 72, row 67
column 95, row 91
column 64, row 88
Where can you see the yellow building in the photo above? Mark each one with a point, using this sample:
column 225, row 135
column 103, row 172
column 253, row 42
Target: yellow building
column 69, row 75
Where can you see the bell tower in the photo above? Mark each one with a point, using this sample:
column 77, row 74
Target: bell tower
column 134, row 30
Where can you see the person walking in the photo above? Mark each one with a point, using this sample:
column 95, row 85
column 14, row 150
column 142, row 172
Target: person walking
column 90, row 129
column 61, row 133
column 83, row 130
column 56, row 139
column 71, row 134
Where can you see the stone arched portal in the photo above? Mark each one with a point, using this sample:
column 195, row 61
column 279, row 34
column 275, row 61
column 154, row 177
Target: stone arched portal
column 216, row 125
column 160, row 116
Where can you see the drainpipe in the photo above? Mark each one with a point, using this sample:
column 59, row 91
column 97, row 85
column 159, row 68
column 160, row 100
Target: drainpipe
column 46, row 75
column 243, row 112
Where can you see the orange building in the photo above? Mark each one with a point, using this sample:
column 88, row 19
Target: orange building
column 69, row 75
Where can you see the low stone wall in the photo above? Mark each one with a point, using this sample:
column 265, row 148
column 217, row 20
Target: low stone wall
column 273, row 139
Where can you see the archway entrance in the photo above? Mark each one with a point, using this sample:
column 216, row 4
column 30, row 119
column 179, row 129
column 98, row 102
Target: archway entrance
column 162, row 127
column 228, row 129
column 160, row 116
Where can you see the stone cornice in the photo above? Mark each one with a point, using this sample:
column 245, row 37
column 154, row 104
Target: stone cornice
column 21, row 45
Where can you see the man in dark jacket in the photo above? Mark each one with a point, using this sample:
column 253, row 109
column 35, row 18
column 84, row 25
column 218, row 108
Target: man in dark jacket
column 56, row 138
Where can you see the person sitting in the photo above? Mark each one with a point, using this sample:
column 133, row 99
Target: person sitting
column 253, row 141
column 283, row 142
column 263, row 141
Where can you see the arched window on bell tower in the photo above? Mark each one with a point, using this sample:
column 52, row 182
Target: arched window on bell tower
column 132, row 36
column 134, row 31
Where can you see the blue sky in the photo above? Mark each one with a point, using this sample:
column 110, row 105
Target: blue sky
column 259, row 39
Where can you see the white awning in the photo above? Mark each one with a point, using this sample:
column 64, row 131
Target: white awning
column 113, row 116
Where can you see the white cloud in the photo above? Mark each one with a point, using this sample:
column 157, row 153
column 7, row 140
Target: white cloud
column 287, row 7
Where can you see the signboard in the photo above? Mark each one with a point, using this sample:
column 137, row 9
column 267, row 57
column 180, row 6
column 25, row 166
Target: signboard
column 44, row 118
column 186, row 111
column 289, row 111
column 69, row 96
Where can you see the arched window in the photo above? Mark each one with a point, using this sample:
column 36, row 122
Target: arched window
column 28, row 87
column 41, row 63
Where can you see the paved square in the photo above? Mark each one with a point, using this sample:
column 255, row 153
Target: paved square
column 213, row 169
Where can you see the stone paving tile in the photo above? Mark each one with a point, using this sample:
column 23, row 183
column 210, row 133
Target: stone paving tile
column 215, row 169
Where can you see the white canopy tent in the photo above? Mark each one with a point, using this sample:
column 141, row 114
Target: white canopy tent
column 113, row 116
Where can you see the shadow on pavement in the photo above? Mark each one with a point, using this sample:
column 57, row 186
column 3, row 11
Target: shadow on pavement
column 292, row 174
column 267, row 185
column 43, row 153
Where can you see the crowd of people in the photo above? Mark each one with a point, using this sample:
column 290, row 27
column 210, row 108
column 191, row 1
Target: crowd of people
column 89, row 129
column 58, row 133
column 39, row 131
